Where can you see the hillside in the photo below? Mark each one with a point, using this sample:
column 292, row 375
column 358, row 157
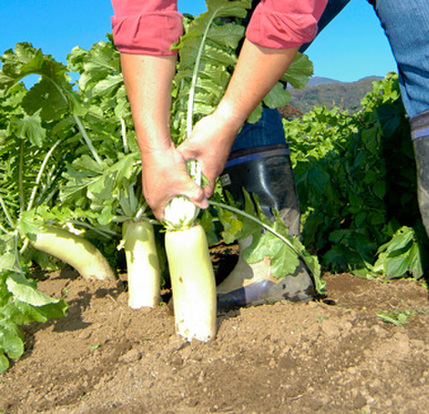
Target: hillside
column 329, row 92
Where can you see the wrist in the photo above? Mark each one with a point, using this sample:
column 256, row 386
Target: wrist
column 155, row 150
column 230, row 115
column 153, row 139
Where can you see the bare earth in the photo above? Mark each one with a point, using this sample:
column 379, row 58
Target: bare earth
column 328, row 356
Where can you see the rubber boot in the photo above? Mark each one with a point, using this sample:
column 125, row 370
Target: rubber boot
column 265, row 171
column 420, row 137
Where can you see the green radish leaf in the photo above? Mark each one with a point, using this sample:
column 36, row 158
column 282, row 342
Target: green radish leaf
column 4, row 362
column 416, row 267
column 8, row 262
column 23, row 290
column 29, row 223
column 76, row 106
column 277, row 97
column 231, row 223
column 283, row 260
column 109, row 86
column 397, row 266
column 400, row 240
column 94, row 65
column 101, row 188
column 255, row 115
column 26, row 60
column 30, row 128
column 42, row 313
column 10, row 339
column 106, row 216
column 46, row 99
column 229, row 34
column 207, row 48
column 299, row 71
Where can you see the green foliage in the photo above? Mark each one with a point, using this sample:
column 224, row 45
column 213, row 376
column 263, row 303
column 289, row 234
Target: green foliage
column 207, row 56
column 269, row 239
column 21, row 303
column 42, row 130
column 402, row 255
column 357, row 186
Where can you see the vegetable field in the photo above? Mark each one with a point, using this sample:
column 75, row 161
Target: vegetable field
column 86, row 272
column 71, row 189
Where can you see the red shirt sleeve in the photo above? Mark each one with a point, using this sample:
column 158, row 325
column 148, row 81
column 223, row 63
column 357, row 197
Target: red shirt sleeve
column 283, row 24
column 147, row 27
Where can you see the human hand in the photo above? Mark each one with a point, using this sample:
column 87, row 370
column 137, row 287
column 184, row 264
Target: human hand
column 210, row 144
column 164, row 177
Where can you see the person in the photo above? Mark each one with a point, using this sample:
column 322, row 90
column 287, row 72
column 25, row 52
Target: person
column 143, row 32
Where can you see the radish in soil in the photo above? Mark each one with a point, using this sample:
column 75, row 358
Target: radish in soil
column 75, row 251
column 143, row 268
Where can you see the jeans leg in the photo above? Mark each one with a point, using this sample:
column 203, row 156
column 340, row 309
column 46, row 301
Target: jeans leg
column 267, row 131
column 406, row 24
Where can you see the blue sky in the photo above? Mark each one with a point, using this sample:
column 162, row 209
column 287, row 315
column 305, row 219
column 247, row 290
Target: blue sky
column 351, row 47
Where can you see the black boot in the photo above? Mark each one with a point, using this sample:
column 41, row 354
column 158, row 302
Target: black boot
column 420, row 136
column 267, row 172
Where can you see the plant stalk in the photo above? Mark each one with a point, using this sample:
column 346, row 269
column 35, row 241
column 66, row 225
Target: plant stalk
column 6, row 213
column 39, row 175
column 256, row 220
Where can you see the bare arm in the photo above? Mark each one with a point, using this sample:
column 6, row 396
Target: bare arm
column 257, row 71
column 148, row 83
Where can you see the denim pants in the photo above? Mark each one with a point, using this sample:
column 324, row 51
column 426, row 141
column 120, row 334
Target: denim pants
column 406, row 25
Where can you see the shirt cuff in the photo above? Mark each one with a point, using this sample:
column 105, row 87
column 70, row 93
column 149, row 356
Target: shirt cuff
column 277, row 30
column 151, row 33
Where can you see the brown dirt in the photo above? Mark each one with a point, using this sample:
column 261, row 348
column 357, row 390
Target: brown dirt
column 332, row 356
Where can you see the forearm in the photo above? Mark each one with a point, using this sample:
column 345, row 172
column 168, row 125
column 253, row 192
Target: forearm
column 148, row 83
column 258, row 69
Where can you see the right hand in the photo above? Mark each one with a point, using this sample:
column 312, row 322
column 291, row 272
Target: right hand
column 210, row 144
column 164, row 177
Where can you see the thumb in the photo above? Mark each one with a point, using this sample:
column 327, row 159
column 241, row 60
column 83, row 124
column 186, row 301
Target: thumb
column 187, row 150
column 195, row 194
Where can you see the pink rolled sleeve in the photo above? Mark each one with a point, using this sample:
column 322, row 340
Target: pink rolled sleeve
column 283, row 24
column 147, row 27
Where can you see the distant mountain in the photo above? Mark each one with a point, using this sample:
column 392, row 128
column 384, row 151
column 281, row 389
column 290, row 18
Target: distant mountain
column 332, row 93
column 319, row 80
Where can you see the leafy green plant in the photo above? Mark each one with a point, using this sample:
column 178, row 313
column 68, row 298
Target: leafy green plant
column 41, row 131
column 357, row 186
column 42, row 128
column 402, row 255
column 275, row 242
column 21, row 303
